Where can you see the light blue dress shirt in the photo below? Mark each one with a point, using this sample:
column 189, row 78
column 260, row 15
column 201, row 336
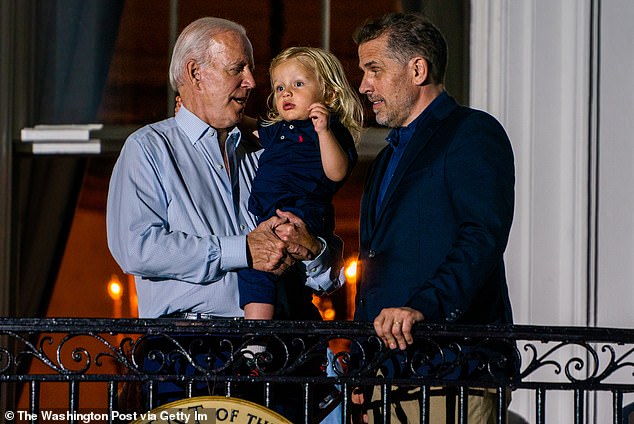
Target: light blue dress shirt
column 178, row 222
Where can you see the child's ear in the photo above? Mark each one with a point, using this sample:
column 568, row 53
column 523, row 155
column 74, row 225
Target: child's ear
column 330, row 97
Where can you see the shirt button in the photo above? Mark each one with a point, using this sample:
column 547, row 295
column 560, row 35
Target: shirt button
column 371, row 254
column 219, row 166
column 313, row 270
column 291, row 126
column 282, row 138
column 242, row 227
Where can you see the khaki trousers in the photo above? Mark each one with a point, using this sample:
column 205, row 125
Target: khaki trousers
column 405, row 407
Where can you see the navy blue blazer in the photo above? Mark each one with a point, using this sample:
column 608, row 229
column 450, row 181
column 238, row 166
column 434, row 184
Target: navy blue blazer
column 437, row 242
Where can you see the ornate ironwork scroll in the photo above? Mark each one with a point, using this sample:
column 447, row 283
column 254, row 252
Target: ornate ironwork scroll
column 517, row 356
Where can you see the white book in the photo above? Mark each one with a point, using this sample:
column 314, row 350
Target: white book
column 78, row 132
column 73, row 147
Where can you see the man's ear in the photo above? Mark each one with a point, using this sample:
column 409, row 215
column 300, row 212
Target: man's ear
column 420, row 71
column 193, row 73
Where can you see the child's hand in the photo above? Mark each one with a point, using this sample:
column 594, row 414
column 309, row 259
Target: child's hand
column 319, row 115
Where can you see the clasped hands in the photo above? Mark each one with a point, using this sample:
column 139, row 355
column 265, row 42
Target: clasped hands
column 277, row 243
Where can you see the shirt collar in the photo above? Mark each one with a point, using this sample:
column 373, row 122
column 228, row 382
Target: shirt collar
column 308, row 123
column 399, row 137
column 195, row 128
column 303, row 123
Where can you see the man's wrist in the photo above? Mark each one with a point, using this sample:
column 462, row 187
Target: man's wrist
column 316, row 265
column 318, row 247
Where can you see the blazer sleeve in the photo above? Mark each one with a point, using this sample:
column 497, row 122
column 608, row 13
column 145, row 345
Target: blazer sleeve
column 479, row 179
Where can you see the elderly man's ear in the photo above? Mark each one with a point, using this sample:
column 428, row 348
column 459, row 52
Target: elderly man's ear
column 177, row 103
column 193, row 72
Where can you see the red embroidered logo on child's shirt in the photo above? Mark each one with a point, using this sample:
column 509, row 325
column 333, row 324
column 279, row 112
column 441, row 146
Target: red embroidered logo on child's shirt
column 301, row 139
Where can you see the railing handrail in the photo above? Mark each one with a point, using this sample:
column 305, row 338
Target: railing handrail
column 238, row 325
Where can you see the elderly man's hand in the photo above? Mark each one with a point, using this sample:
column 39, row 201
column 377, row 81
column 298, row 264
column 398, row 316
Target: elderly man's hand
column 267, row 252
column 299, row 239
column 394, row 326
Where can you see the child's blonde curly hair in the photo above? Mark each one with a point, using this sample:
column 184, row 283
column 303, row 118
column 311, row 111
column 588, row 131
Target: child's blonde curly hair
column 336, row 92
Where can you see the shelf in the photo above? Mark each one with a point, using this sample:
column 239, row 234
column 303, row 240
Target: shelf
column 108, row 140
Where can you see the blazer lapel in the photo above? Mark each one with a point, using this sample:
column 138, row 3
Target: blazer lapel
column 424, row 132
column 371, row 192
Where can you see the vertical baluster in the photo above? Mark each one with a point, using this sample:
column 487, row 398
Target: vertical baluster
column 189, row 388
column 463, row 404
column 579, row 406
column 112, row 400
column 228, row 388
column 267, row 394
column 423, row 401
column 35, row 401
column 450, row 403
column 73, row 400
column 387, row 404
column 344, row 402
column 502, row 401
column 306, row 403
column 541, row 405
column 149, row 405
column 617, row 406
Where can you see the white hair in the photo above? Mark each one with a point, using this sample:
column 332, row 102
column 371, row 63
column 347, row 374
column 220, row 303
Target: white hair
column 193, row 44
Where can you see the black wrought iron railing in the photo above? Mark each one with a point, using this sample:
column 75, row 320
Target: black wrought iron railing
column 124, row 366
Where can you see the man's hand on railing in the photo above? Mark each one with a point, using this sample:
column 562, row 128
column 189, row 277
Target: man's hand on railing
column 394, row 326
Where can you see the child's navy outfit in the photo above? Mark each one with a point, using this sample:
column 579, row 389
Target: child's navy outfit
column 291, row 177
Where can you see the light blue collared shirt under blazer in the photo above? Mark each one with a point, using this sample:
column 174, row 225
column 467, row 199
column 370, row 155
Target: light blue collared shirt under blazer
column 178, row 222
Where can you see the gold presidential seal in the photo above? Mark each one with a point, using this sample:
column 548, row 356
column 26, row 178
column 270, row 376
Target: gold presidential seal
column 210, row 410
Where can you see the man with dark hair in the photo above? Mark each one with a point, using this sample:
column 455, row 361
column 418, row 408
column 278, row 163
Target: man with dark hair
column 438, row 202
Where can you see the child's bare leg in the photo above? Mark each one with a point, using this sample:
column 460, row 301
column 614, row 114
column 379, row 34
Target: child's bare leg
column 255, row 310
column 262, row 311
